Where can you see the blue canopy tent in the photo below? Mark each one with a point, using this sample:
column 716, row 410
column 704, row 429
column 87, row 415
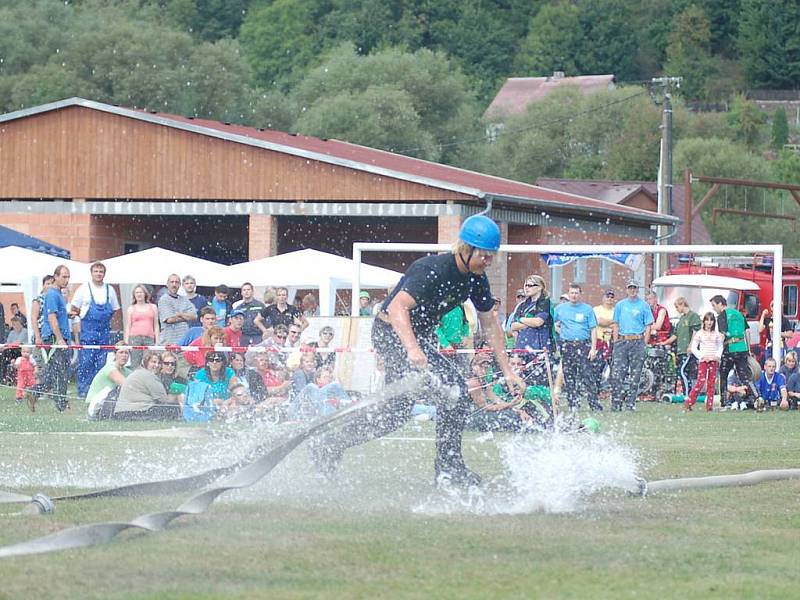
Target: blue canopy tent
column 9, row 237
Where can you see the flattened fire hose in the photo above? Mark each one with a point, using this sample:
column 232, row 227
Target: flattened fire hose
column 243, row 474
column 645, row 488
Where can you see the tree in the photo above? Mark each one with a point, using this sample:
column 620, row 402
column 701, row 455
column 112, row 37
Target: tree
column 281, row 40
column 30, row 33
column 689, row 54
column 769, row 43
column 553, row 42
column 746, row 120
column 780, row 128
column 210, row 20
column 608, row 45
column 786, row 167
column 435, row 87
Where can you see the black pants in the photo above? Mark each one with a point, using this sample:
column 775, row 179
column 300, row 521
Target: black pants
column 687, row 371
column 738, row 361
column 55, row 376
column 579, row 376
column 393, row 414
column 159, row 412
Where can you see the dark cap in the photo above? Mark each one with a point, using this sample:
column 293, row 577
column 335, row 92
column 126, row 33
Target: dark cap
column 237, row 312
column 609, row 293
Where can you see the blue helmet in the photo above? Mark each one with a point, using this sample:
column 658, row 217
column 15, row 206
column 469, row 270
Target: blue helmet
column 481, row 232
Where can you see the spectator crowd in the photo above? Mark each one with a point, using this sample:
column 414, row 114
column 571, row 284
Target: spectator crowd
column 569, row 353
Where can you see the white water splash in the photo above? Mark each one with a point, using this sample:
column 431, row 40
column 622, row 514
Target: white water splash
column 551, row 473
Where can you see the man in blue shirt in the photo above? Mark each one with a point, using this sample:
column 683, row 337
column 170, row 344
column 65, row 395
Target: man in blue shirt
column 56, row 331
column 576, row 325
column 630, row 334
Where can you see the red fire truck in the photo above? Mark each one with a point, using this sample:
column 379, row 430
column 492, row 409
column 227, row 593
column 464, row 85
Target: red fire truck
column 746, row 283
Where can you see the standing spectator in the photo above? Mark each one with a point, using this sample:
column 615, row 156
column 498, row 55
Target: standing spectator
column 765, row 330
column 282, row 313
column 604, row 314
column 15, row 312
column 532, row 318
column 771, row 388
column 208, row 319
column 310, row 306
column 220, row 304
column 141, row 323
column 661, row 328
column 733, row 326
column 198, row 300
column 706, row 346
column 688, row 324
column 631, row 331
column 95, row 303
column 26, row 378
column 2, row 324
column 174, row 312
column 364, row 308
column 37, row 309
column 252, row 332
column 233, row 332
column 56, row 330
column 577, row 331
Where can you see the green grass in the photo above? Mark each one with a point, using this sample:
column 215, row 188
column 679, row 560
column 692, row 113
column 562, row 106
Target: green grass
column 291, row 537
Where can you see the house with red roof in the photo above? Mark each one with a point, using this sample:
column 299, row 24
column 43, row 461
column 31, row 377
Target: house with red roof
column 102, row 180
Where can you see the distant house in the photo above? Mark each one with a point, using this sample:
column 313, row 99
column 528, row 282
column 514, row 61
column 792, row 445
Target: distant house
column 634, row 194
column 518, row 93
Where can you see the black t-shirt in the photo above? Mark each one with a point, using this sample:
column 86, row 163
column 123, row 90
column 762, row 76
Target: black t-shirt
column 275, row 317
column 438, row 287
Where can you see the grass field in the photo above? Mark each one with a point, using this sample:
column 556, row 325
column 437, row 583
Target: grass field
column 371, row 536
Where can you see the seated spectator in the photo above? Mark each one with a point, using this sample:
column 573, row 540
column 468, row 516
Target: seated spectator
column 789, row 366
column 793, row 390
column 233, row 332
column 142, row 395
column 272, row 343
column 323, row 396
column 218, row 375
column 490, row 412
column 273, row 376
column 26, row 378
column 737, row 392
column 108, row 379
column 293, row 337
column 173, row 383
column 305, row 373
column 771, row 388
column 324, row 359
column 15, row 312
column 238, row 404
column 215, row 336
column 16, row 335
column 248, row 378
column 208, row 319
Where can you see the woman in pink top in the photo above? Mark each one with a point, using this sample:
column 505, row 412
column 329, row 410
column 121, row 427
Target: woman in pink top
column 141, row 323
column 707, row 345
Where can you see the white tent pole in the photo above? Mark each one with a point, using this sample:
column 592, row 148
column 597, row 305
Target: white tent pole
column 327, row 297
column 777, row 309
column 356, row 284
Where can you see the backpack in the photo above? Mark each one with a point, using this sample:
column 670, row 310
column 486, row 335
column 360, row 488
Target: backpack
column 198, row 405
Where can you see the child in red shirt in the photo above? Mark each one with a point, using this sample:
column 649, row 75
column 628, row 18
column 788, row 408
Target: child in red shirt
column 26, row 377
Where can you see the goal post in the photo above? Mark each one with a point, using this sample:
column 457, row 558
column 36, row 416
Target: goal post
column 775, row 250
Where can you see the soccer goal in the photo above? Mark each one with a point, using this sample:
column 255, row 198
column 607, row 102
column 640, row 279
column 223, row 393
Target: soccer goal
column 773, row 250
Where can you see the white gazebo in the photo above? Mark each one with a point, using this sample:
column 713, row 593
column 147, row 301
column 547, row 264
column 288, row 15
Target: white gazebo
column 155, row 265
column 310, row 269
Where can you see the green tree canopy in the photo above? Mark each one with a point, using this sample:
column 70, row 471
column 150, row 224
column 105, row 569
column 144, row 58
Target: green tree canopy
column 769, row 43
column 553, row 42
column 689, row 52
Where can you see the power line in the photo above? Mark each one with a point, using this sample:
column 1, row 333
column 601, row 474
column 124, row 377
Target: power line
column 531, row 126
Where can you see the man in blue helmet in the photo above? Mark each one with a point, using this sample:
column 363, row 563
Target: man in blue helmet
column 404, row 334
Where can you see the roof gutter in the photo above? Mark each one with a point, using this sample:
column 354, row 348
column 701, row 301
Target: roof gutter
column 564, row 207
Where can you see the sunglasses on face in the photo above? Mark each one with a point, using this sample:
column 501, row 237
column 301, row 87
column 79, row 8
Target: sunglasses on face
column 214, row 359
column 281, row 337
column 532, row 285
column 169, row 363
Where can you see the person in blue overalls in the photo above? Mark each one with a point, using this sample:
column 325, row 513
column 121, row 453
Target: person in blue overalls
column 95, row 302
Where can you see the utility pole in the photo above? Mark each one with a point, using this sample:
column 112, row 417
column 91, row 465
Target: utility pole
column 665, row 164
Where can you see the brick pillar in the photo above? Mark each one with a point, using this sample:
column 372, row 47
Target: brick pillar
column 448, row 228
column 263, row 236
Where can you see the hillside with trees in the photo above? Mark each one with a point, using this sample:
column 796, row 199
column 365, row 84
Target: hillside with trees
column 415, row 76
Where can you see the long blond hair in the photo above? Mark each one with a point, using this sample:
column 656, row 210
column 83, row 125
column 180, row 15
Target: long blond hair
column 542, row 284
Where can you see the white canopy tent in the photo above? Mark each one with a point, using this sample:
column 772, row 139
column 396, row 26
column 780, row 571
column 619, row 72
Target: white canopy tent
column 155, row 265
column 21, row 270
column 310, row 269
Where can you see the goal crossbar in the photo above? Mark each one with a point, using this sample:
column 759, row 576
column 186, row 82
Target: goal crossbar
column 775, row 250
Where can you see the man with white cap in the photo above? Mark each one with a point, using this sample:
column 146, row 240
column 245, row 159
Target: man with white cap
column 630, row 332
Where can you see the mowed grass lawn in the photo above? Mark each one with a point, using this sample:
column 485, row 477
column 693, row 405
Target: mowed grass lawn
column 293, row 537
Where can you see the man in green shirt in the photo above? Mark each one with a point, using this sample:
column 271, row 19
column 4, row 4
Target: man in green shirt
column 733, row 326
column 688, row 323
